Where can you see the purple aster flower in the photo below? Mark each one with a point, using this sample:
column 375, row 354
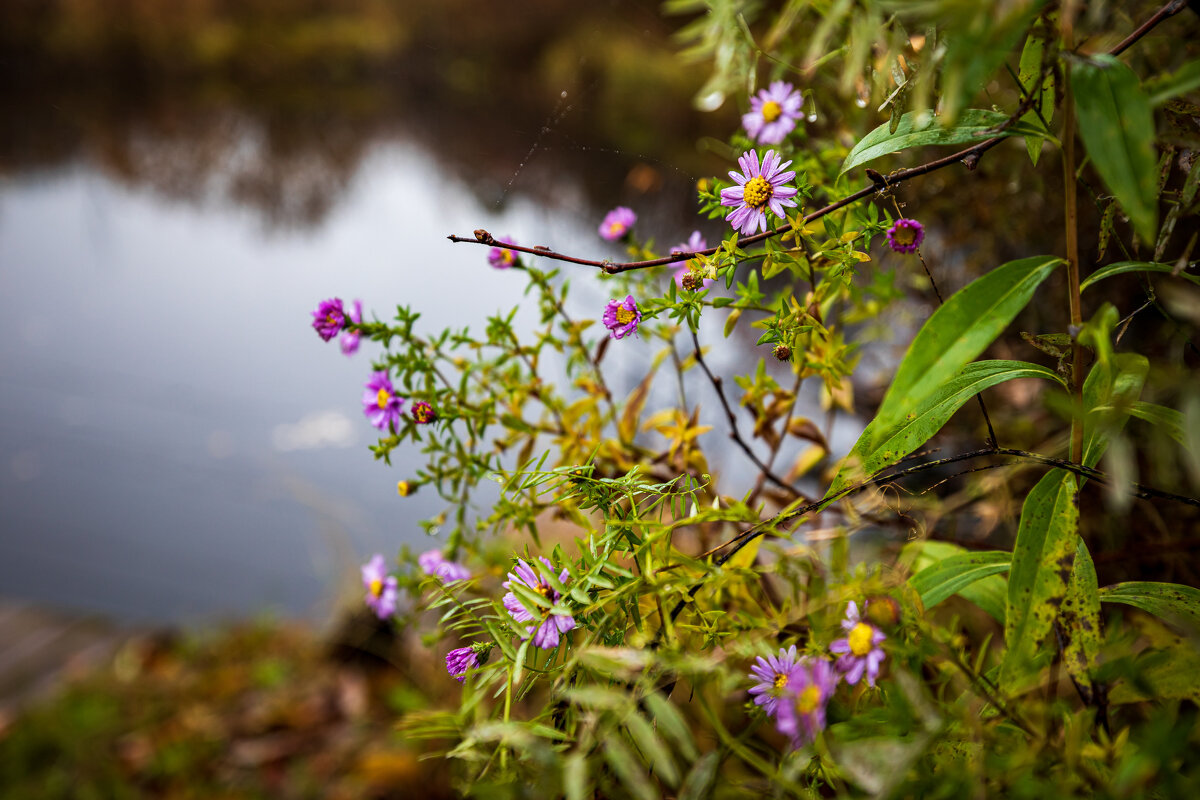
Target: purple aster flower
column 463, row 659
column 617, row 223
column 905, row 235
column 434, row 563
column 772, row 673
column 423, row 413
column 329, row 318
column 381, row 587
column 555, row 621
column 800, row 713
column 349, row 340
column 859, row 649
column 773, row 113
column 694, row 243
column 500, row 258
column 758, row 189
column 621, row 317
column 380, row 402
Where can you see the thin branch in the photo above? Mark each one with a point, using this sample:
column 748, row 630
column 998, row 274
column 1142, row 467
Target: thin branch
column 968, row 156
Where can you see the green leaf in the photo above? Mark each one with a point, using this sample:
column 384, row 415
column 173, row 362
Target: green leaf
column 1102, row 391
column 990, row 593
column 1079, row 622
column 958, row 332
column 1030, row 74
column 875, row 449
column 1167, row 87
column 1116, row 125
column 1043, row 560
column 653, row 750
column 951, row 575
column 1168, row 419
column 1166, row 674
column 972, row 128
column 1172, row 602
column 672, row 724
column 1123, row 267
column 633, row 777
column 979, row 39
column 699, row 782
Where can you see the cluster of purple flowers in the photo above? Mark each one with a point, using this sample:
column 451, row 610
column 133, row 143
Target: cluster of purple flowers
column 795, row 690
column 331, row 318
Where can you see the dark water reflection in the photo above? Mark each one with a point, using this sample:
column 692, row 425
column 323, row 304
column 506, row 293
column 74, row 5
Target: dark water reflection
column 175, row 442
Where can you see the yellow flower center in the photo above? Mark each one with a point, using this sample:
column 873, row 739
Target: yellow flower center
column 381, row 399
column 757, row 192
column 808, row 700
column 331, row 319
column 616, row 228
column 507, row 256
column 624, row 315
column 904, row 235
column 376, row 587
column 860, row 639
column 404, row 488
column 781, row 680
column 771, row 110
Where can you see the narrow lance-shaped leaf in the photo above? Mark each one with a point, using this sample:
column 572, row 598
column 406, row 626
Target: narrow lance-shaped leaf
column 875, row 450
column 990, row 593
column 1116, row 124
column 958, row 332
column 949, row 576
column 973, row 126
column 1030, row 73
column 1079, row 622
column 1123, row 267
column 1043, row 559
column 1173, row 602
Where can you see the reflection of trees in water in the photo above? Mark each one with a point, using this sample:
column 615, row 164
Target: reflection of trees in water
column 273, row 106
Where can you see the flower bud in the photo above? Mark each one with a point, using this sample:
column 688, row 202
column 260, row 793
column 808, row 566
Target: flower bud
column 782, row 352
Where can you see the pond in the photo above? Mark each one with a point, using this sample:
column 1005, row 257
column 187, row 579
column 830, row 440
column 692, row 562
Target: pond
column 176, row 442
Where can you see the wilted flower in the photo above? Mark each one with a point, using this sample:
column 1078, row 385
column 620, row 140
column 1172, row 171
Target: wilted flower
column 905, row 235
column 621, row 317
column 782, row 352
column 380, row 402
column 773, row 113
column 555, row 621
column 502, row 258
column 617, row 223
column 760, row 188
column 349, row 341
column 381, row 587
column 463, row 659
column 694, row 244
column 859, row 649
column 432, row 562
column 800, row 713
column 329, row 318
column 772, row 674
column 423, row 413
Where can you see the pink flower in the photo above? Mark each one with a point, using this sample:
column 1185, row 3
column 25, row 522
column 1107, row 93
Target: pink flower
column 800, row 713
column 502, row 258
column 381, row 404
column 859, row 649
column 758, row 189
column 694, row 244
column 349, row 341
column 554, row 621
column 617, row 223
column 329, row 318
column 773, row 113
column 381, row 587
column 905, row 235
column 772, row 673
column 621, row 317
column 432, row 562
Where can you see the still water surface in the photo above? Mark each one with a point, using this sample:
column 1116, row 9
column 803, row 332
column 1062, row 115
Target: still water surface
column 176, row 441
